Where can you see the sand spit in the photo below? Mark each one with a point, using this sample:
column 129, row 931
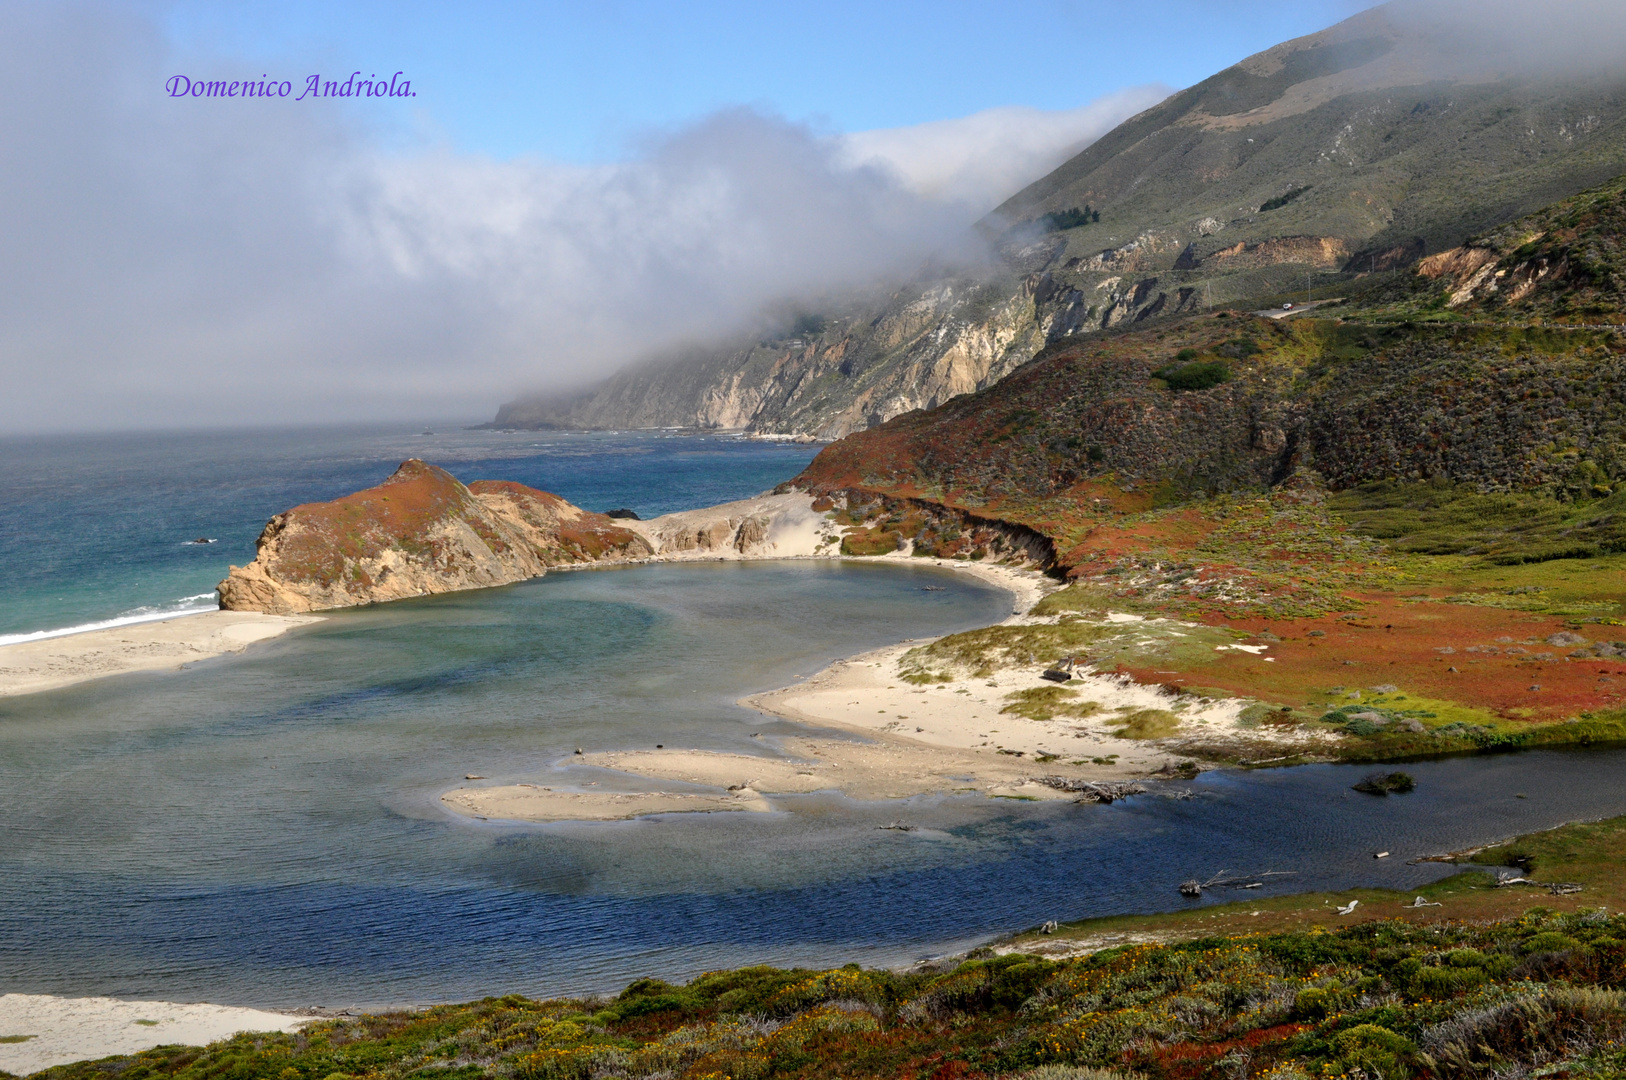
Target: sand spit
column 32, row 666
column 531, row 802
column 63, row 1029
column 874, row 735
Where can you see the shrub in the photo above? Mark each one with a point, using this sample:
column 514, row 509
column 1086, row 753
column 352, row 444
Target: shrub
column 1374, row 1050
column 1282, row 200
column 1550, row 941
column 1194, row 374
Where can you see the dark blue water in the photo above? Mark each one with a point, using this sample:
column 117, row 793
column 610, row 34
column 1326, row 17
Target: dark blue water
column 96, row 528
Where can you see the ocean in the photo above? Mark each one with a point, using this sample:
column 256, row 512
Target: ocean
column 98, row 530
column 264, row 829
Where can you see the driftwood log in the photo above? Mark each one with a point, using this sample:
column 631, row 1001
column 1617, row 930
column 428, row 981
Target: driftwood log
column 1227, row 880
column 1093, row 791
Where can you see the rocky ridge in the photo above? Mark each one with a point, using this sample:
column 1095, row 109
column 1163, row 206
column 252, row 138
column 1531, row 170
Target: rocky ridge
column 419, row 532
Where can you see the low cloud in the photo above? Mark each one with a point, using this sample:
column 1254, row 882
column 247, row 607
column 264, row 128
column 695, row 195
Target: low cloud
column 980, row 160
column 206, row 261
column 1545, row 38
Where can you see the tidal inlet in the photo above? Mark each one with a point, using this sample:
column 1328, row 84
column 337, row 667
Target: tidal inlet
column 547, row 544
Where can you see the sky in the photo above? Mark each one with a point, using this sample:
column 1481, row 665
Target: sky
column 569, row 187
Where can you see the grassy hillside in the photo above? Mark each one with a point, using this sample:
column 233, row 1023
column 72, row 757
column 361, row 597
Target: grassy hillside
column 1371, row 134
column 1384, row 999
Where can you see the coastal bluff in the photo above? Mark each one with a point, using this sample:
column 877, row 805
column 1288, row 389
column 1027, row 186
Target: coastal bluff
column 422, row 531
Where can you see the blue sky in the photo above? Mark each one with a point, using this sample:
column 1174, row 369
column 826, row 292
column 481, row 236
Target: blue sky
column 580, row 82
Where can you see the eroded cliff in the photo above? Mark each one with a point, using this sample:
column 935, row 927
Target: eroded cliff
column 419, row 532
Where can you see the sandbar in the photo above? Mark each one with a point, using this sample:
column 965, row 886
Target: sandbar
column 872, row 735
column 30, row 667
column 60, row 1030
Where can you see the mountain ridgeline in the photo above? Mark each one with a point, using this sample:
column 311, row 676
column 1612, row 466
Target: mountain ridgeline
column 1306, row 169
column 1477, row 406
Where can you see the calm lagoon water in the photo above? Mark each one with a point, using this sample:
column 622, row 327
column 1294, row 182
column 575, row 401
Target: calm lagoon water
column 264, row 829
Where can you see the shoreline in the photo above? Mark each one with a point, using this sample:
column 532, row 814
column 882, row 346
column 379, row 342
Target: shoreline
column 32, row 667
column 62, row 1030
column 871, row 734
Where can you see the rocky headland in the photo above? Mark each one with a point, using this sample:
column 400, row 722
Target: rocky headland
column 420, row 532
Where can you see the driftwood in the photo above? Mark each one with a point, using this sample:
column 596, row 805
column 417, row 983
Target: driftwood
column 1063, row 671
column 1554, row 888
column 1093, row 791
column 1225, row 880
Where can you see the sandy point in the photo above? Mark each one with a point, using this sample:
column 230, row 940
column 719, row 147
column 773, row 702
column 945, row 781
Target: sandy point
column 872, row 734
column 58, row 1030
column 29, row 667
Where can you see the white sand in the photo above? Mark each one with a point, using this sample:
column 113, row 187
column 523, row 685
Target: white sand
column 77, row 1029
column 32, row 666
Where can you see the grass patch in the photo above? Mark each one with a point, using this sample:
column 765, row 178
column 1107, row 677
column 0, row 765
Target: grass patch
column 1502, row 529
column 1148, row 724
column 864, row 542
column 16, row 1038
column 1049, row 702
column 982, row 652
column 1092, row 601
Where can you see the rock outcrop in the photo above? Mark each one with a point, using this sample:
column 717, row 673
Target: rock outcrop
column 1565, row 263
column 777, row 526
column 419, row 532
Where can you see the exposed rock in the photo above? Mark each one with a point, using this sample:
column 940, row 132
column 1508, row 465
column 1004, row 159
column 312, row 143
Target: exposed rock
column 419, row 532
column 769, row 526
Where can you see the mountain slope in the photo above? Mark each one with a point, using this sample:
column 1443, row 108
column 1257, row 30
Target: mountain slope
column 1362, row 148
column 1565, row 264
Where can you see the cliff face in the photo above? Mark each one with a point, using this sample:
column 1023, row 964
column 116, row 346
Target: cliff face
column 1362, row 148
column 419, row 532
column 869, row 363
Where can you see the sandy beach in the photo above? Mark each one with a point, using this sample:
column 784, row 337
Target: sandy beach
column 59, row 1030
column 32, row 666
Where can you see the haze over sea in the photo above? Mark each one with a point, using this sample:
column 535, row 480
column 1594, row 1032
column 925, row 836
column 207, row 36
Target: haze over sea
column 265, row 828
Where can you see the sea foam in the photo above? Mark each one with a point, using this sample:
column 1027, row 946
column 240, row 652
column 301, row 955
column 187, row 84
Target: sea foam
column 186, row 605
